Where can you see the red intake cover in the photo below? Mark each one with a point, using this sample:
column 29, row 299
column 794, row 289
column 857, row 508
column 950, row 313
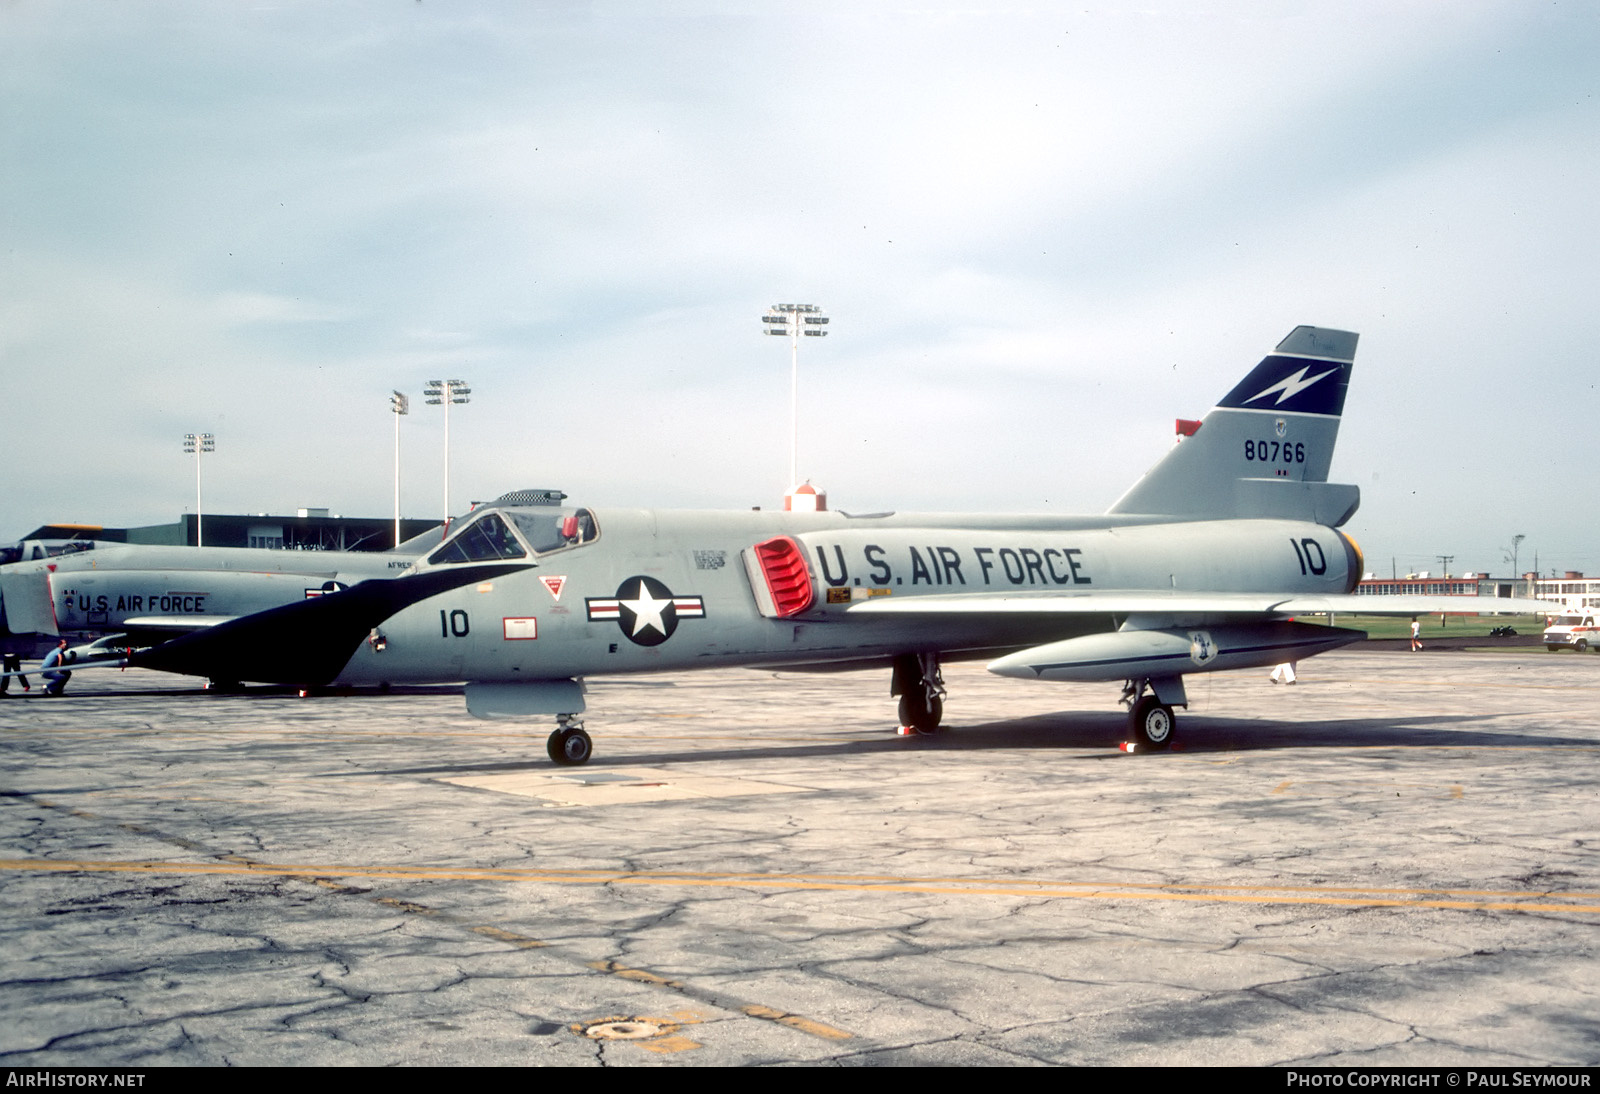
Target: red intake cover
column 783, row 564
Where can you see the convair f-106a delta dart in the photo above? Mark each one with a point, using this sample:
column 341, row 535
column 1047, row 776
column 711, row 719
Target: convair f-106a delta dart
column 1200, row 567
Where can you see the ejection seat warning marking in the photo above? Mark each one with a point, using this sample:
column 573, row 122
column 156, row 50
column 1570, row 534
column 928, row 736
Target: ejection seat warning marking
column 526, row 627
column 554, row 584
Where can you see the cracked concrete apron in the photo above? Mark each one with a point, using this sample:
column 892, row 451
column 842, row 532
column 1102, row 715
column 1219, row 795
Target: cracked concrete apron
column 1393, row 862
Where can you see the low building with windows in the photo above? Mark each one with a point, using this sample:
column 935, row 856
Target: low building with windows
column 308, row 530
column 1424, row 585
column 1571, row 590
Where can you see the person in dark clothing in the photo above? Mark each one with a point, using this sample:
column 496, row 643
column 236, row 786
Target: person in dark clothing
column 12, row 663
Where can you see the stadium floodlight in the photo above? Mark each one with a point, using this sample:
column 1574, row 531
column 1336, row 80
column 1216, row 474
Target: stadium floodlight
column 400, row 403
column 794, row 320
column 444, row 393
column 197, row 445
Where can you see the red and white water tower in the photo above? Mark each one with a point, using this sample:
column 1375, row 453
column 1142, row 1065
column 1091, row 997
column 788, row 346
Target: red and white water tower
column 805, row 498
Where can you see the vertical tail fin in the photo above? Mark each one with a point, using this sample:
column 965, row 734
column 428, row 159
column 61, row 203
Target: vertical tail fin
column 1265, row 448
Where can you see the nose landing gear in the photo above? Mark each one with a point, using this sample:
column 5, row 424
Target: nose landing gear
column 569, row 745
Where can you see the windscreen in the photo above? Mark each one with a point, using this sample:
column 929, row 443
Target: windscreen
column 486, row 539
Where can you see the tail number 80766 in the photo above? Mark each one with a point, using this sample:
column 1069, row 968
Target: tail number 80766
column 1275, row 451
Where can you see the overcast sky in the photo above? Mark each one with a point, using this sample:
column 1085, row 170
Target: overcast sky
column 1042, row 233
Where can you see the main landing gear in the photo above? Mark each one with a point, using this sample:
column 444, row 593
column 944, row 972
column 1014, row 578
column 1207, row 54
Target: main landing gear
column 1151, row 722
column 569, row 745
column 920, row 685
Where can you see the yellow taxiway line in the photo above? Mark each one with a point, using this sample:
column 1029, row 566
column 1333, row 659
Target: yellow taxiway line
column 1349, row 896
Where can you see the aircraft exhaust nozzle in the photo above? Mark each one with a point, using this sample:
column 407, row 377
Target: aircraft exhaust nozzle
column 1143, row 654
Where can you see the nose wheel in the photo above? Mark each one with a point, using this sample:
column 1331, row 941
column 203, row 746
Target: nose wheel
column 569, row 745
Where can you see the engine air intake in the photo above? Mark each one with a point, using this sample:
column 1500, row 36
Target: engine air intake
column 780, row 577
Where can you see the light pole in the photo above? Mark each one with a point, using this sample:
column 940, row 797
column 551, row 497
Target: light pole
column 401, row 405
column 197, row 444
column 795, row 320
column 443, row 393
column 1511, row 557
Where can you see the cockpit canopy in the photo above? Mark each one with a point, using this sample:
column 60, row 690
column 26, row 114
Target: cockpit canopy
column 517, row 532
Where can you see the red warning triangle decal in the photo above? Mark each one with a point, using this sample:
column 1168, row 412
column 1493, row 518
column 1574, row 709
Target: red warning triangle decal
column 554, row 584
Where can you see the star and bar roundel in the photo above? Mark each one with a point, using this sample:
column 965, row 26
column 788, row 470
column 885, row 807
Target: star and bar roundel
column 645, row 609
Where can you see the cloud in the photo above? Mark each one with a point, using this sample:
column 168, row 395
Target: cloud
column 1041, row 235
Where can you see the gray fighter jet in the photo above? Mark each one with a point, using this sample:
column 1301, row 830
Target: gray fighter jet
column 138, row 595
column 1200, row 567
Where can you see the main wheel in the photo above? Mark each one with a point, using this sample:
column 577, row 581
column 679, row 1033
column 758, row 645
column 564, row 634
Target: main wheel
column 920, row 711
column 1152, row 723
column 569, row 747
column 1581, row 645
